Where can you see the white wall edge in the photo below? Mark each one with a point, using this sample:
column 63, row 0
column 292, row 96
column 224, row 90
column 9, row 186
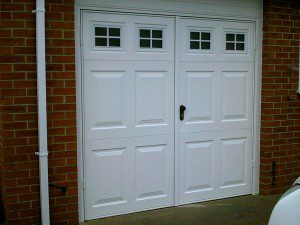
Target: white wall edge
column 79, row 114
column 237, row 9
column 257, row 106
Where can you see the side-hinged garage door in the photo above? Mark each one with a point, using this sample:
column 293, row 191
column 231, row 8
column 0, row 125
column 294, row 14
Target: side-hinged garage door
column 216, row 85
column 128, row 99
column 130, row 111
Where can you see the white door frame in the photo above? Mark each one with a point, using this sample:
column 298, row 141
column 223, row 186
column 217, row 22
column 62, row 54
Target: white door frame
column 256, row 90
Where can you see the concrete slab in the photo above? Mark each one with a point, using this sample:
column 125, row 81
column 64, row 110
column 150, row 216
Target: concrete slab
column 244, row 210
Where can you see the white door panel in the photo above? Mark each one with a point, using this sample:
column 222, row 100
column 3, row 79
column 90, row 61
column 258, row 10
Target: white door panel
column 236, row 162
column 154, row 181
column 129, row 37
column 214, row 164
column 128, row 102
column 129, row 174
column 108, row 172
column 216, row 87
column 236, row 95
column 123, row 101
column 199, row 85
column 108, row 103
column 198, row 158
column 217, row 96
column 150, row 98
column 154, row 98
column 217, row 52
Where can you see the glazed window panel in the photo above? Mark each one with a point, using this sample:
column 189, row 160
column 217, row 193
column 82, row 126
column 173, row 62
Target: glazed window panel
column 156, row 43
column 100, row 31
column 205, row 36
column 144, row 43
column 235, row 42
column 205, row 45
column 200, row 40
column 195, row 36
column 108, row 37
column 157, row 34
column 151, row 38
column 144, row 33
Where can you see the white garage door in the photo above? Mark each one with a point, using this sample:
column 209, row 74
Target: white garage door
column 216, row 76
column 130, row 111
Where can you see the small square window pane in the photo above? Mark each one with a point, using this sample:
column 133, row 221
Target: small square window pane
column 195, row 35
column 100, row 31
column 156, row 33
column 144, row 43
column 205, row 36
column 229, row 46
column 240, row 46
column 144, row 33
column 114, row 42
column 229, row 37
column 240, row 37
column 194, row 45
column 205, row 45
column 100, row 42
column 156, row 43
column 115, row 32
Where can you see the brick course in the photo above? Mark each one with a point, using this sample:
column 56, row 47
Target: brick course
column 19, row 174
column 280, row 106
column 18, row 164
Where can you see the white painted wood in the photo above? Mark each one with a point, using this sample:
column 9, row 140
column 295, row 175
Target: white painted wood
column 214, row 164
column 108, row 171
column 209, row 91
column 129, row 25
column 128, row 98
column 79, row 113
column 257, row 104
column 215, row 154
column 176, row 107
column 128, row 102
column 170, row 11
column 217, row 29
column 154, row 171
column 128, row 174
column 236, row 162
column 215, row 8
column 245, row 10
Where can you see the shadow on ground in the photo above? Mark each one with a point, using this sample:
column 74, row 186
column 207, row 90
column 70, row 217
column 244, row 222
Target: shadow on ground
column 244, row 210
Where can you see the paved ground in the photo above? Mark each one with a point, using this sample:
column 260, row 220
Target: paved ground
column 245, row 210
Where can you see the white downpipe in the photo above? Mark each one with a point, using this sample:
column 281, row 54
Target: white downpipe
column 42, row 110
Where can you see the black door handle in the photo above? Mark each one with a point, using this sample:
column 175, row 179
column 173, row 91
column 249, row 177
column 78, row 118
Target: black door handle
column 182, row 108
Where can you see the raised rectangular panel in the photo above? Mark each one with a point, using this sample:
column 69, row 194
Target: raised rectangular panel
column 150, row 172
column 199, row 96
column 233, row 162
column 198, row 166
column 151, row 98
column 109, row 177
column 108, row 103
column 234, row 96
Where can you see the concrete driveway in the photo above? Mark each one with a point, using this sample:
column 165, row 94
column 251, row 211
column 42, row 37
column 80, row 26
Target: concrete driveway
column 244, row 210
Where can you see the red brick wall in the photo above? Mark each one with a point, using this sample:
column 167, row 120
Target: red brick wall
column 280, row 110
column 18, row 163
column 19, row 175
column 1, row 161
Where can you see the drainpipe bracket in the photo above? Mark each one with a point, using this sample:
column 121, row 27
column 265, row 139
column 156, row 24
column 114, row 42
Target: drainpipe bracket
column 41, row 154
column 38, row 10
